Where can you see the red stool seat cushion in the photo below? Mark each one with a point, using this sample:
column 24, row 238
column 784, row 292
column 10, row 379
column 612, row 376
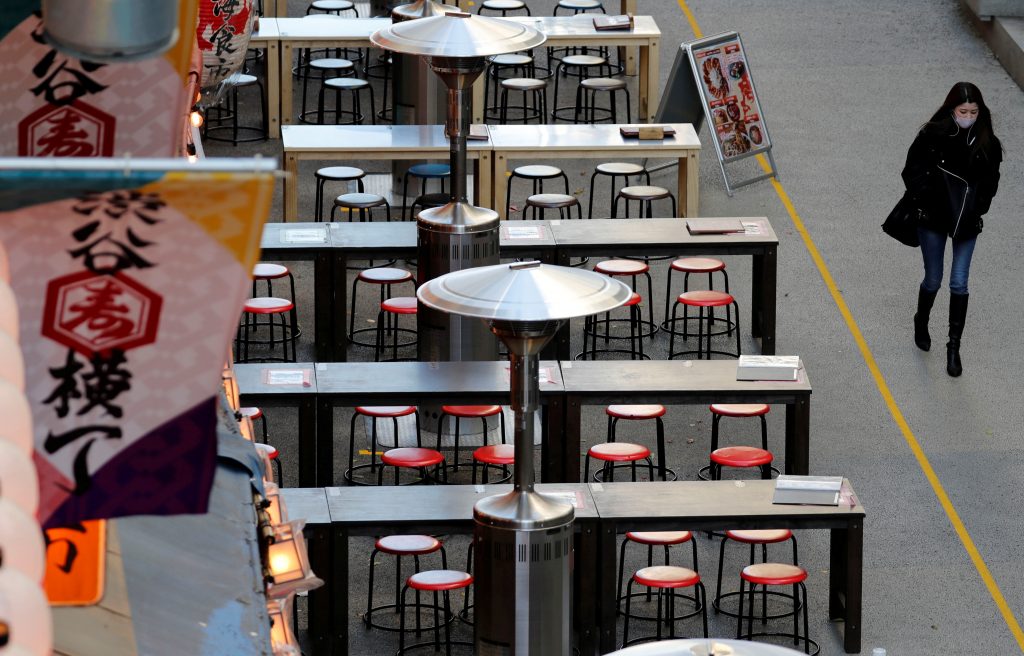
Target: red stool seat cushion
column 634, row 299
column 268, row 305
column 251, row 413
column 271, row 452
column 666, row 576
column 400, row 305
column 773, row 574
column 705, row 298
column 471, row 410
column 496, row 454
column 659, row 538
column 439, row 580
column 763, row 536
column 741, row 456
column 385, row 275
column 698, row 264
column 740, row 409
column 267, row 271
column 386, row 411
column 652, row 411
column 619, row 452
column 622, row 267
column 408, row 545
column 412, row 456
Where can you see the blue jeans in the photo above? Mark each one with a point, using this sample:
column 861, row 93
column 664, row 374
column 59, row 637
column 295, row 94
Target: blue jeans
column 933, row 247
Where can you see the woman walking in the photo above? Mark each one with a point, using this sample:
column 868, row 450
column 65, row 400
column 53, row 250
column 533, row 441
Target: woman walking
column 952, row 174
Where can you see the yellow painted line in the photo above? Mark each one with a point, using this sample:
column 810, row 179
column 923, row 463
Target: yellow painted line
column 366, row 452
column 890, row 402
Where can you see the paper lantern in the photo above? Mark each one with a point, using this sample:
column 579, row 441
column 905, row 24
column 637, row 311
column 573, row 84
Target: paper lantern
column 21, row 542
column 281, row 633
column 8, row 310
column 288, row 562
column 18, row 481
column 223, row 33
column 277, row 510
column 26, row 612
column 12, row 366
column 16, row 426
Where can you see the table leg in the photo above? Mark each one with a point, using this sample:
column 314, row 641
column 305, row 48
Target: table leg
column 340, row 607
column 479, row 101
column 278, row 8
column 627, row 7
column 274, row 89
column 291, row 188
column 689, row 185
column 647, row 85
column 607, row 604
column 319, row 608
column 499, row 183
column 845, row 581
column 307, row 440
column 324, row 451
column 324, row 315
column 552, row 440
column 286, row 83
column 587, row 575
column 483, row 193
column 798, row 422
column 571, row 439
column 339, row 352
column 563, row 338
column 763, row 290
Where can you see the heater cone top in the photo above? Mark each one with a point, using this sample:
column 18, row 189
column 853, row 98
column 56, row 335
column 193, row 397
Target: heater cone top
column 525, row 291
column 457, row 35
column 421, row 9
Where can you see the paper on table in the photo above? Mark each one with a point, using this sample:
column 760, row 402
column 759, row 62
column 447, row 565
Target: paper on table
column 287, row 377
column 304, row 236
column 524, row 232
column 565, row 495
column 752, row 228
column 544, row 375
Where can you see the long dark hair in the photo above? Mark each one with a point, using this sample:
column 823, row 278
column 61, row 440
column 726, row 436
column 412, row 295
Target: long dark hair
column 942, row 121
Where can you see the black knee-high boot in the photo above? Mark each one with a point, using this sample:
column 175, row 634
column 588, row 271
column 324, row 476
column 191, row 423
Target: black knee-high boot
column 925, row 299
column 957, row 317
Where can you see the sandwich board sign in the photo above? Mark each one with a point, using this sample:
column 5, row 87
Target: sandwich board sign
column 711, row 79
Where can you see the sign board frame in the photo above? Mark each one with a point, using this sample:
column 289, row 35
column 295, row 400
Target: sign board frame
column 720, row 86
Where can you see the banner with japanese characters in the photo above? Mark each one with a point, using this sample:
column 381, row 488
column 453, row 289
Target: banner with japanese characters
column 55, row 105
column 223, row 32
column 129, row 287
column 723, row 77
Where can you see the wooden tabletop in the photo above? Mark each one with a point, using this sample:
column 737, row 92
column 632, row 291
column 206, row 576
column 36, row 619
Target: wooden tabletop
column 401, row 236
column 581, row 26
column 325, row 26
column 369, row 139
column 587, row 139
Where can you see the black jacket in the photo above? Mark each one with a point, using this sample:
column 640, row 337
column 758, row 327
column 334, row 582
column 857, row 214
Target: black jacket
column 952, row 182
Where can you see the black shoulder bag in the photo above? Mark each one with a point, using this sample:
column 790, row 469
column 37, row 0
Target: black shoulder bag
column 902, row 222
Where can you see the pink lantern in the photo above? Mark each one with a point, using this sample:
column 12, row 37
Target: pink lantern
column 26, row 611
column 223, row 34
column 18, row 481
column 17, row 418
column 12, row 366
column 21, row 541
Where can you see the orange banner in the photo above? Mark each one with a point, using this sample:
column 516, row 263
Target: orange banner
column 76, row 563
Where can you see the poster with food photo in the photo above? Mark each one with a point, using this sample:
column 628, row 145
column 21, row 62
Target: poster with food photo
column 724, row 76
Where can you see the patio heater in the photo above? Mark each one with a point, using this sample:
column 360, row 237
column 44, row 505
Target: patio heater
column 458, row 235
column 111, row 31
column 523, row 539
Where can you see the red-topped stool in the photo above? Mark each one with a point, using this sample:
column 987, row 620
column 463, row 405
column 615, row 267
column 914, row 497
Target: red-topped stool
column 762, row 537
column 775, row 574
column 384, row 278
column 399, row 546
column 741, row 457
column 281, row 315
column 705, row 300
column 392, row 412
column 418, row 458
column 667, row 581
column 267, row 273
column 435, row 581
column 254, row 415
column 698, row 265
column 617, row 455
column 652, row 539
column 460, row 412
column 387, row 324
column 646, row 412
column 736, row 410
column 592, row 325
column 494, row 456
column 274, row 456
column 632, row 269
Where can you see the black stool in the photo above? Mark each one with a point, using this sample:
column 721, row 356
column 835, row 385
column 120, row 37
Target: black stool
column 533, row 90
column 645, row 195
column 586, row 100
column 518, row 64
column 353, row 86
column 219, row 119
column 424, row 172
column 537, row 174
column 581, row 66
column 363, row 203
column 327, row 68
column 579, row 6
column 504, row 6
column 337, row 174
column 614, row 170
column 561, row 202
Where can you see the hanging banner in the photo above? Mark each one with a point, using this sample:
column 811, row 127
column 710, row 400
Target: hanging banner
column 129, row 286
column 55, row 105
column 75, row 563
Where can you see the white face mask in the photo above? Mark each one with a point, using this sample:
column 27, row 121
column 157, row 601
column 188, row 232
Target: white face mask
column 964, row 122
